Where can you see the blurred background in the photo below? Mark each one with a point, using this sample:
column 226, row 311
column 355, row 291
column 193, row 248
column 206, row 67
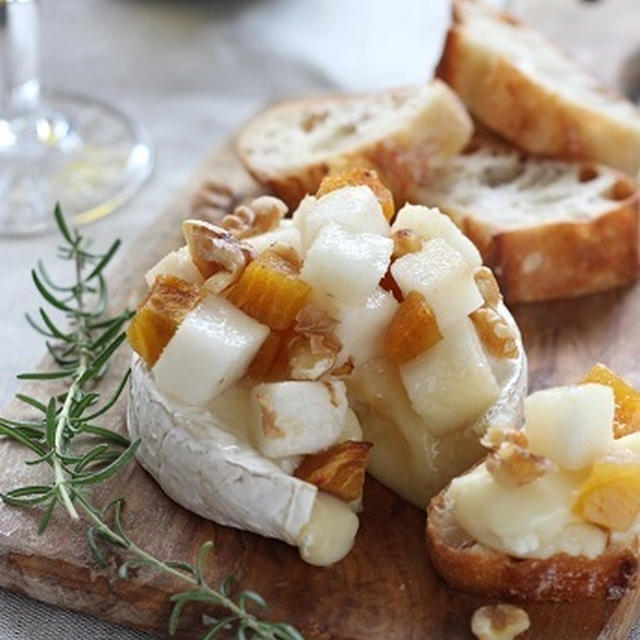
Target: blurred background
column 191, row 71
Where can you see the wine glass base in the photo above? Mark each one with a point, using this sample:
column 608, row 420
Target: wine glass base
column 81, row 152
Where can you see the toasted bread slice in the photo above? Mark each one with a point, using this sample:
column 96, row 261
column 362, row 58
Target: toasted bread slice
column 518, row 84
column 548, row 228
column 470, row 566
column 292, row 146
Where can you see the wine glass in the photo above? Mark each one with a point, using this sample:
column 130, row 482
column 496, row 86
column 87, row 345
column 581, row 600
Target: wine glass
column 54, row 145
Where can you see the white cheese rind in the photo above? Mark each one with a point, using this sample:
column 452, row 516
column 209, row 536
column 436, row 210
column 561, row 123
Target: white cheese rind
column 211, row 471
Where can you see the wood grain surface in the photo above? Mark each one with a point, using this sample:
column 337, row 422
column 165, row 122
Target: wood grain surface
column 386, row 588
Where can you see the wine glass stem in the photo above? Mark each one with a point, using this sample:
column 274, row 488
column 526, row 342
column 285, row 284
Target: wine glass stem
column 20, row 52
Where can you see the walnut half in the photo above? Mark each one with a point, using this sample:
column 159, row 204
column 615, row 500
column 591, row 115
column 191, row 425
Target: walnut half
column 499, row 622
column 339, row 470
column 498, row 337
column 512, row 465
column 495, row 436
column 488, row 287
column 262, row 214
column 218, row 256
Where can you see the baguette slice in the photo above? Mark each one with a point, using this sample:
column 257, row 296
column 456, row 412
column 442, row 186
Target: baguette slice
column 518, row 84
column 548, row 228
column 292, row 146
column 470, row 566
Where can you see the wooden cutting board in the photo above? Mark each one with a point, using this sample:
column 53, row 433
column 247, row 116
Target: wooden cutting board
column 386, row 588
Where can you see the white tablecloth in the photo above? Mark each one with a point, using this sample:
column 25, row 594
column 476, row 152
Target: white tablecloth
column 192, row 71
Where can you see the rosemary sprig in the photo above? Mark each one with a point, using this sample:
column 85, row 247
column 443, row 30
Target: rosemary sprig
column 82, row 454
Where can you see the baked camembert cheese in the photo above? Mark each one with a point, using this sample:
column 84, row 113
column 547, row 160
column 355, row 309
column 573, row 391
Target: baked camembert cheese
column 265, row 346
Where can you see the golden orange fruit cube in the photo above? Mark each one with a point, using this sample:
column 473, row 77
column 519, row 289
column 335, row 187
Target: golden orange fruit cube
column 413, row 329
column 340, row 470
column 627, row 400
column 270, row 290
column 354, row 177
column 158, row 315
column 610, row 495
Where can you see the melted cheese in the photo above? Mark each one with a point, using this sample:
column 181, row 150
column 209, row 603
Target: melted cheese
column 208, row 466
column 330, row 532
column 534, row 520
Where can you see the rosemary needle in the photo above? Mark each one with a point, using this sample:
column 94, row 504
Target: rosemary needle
column 81, row 352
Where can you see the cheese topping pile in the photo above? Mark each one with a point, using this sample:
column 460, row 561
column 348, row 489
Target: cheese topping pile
column 286, row 314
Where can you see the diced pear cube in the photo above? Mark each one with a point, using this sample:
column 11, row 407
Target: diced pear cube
column 352, row 429
column 286, row 234
column 631, row 442
column 443, row 277
column 299, row 216
column 571, row 425
column 451, row 383
column 298, row 417
column 431, row 223
column 210, row 351
column 345, row 265
column 361, row 329
column 354, row 209
column 177, row 263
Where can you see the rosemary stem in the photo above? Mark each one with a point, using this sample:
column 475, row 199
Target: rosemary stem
column 83, row 350
column 60, row 479
column 82, row 338
column 251, row 621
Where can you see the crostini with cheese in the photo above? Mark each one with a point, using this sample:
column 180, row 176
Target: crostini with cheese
column 553, row 513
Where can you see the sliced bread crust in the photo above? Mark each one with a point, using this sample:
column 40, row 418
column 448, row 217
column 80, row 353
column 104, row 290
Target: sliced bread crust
column 469, row 566
column 292, row 146
column 518, row 84
column 548, row 229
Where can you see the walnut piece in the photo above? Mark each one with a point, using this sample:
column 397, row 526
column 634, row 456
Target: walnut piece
column 313, row 351
column 498, row 337
column 512, row 465
column 488, row 287
column 218, row 256
column 212, row 201
column 311, row 321
column 499, row 622
column 345, row 369
column 262, row 214
column 338, row 470
column 405, row 241
column 495, row 436
column 309, row 357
